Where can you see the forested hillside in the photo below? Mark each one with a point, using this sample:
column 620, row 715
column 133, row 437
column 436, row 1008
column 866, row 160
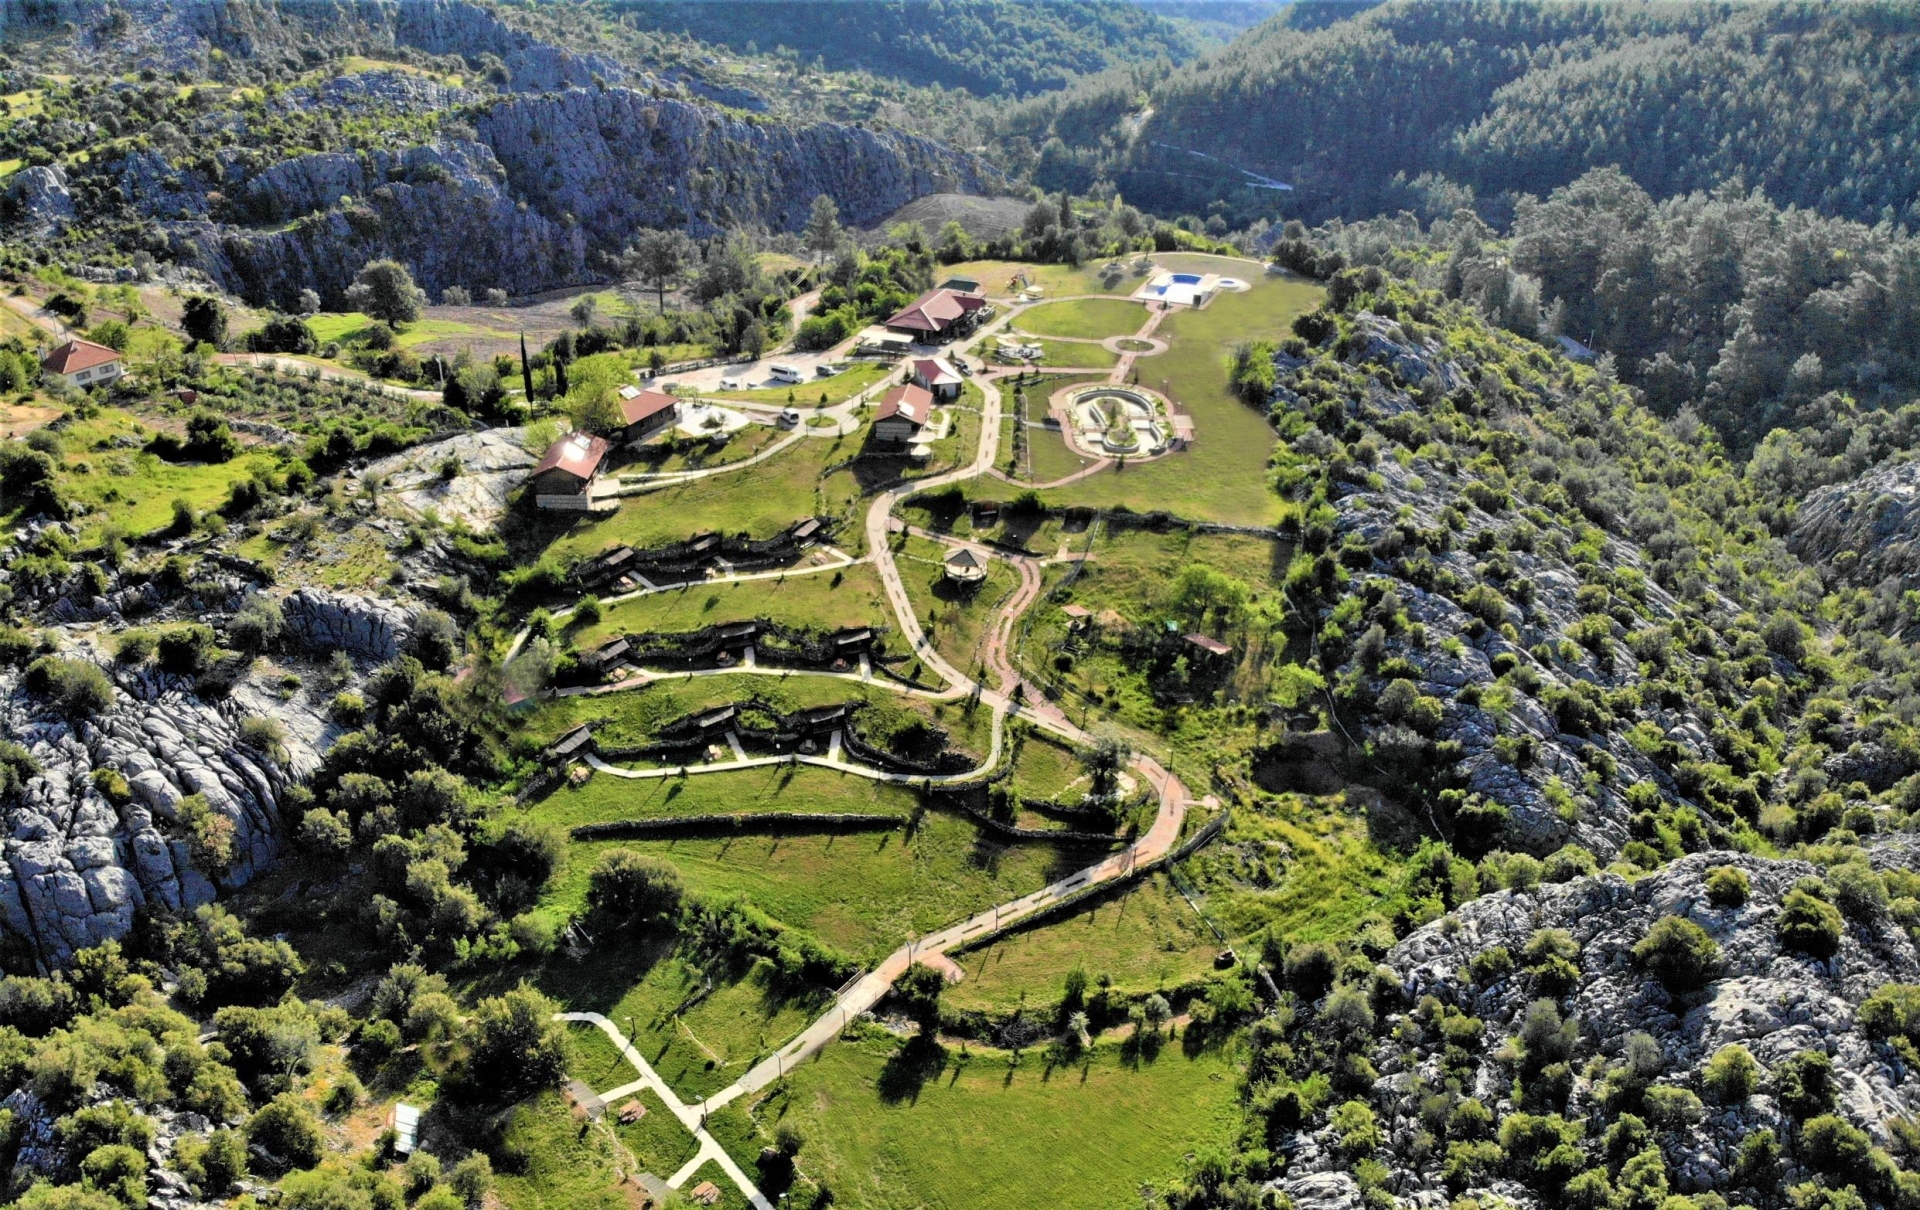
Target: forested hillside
column 986, row 46
column 1814, row 104
column 1757, row 317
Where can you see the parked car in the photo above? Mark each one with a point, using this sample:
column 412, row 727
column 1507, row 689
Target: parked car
column 790, row 417
column 729, row 384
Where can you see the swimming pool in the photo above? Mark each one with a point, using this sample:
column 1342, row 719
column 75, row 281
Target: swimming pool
column 1187, row 279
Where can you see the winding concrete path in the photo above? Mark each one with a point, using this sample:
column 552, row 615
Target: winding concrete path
column 1011, row 698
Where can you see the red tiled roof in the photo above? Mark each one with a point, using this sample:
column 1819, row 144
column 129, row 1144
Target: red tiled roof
column 76, row 355
column 909, row 401
column 644, row 405
column 936, row 310
column 936, row 371
column 578, row 455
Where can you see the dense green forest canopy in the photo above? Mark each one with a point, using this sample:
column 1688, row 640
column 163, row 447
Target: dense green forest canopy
column 986, row 46
column 1812, row 103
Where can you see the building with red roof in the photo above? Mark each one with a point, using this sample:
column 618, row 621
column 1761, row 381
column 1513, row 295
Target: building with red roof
column 566, row 476
column 83, row 363
column 646, row 413
column 904, row 411
column 936, row 375
column 939, row 314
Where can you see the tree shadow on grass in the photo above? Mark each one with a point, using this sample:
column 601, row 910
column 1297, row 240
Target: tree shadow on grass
column 919, row 1059
column 1142, row 1048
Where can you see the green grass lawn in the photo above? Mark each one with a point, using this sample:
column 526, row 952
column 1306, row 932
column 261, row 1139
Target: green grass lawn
column 1131, row 573
column 346, row 327
column 133, row 489
column 995, row 277
column 657, row 1142
column 633, row 717
column 760, row 500
column 863, row 893
column 1045, row 767
column 1145, row 937
column 1048, row 457
column 1075, row 353
column 1335, row 876
column 818, row 600
column 1089, row 318
column 774, row 789
column 958, row 619
column 981, row 1137
column 566, row 1168
column 1223, row 476
column 837, row 389
column 697, row 1050
column 661, row 457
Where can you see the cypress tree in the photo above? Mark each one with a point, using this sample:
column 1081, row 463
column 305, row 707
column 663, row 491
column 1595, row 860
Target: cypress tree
column 526, row 369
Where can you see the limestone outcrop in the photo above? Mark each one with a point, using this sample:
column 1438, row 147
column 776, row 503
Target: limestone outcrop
column 367, row 627
column 79, row 858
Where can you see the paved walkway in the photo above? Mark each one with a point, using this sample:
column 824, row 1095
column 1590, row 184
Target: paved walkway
column 695, row 1120
column 1012, row 698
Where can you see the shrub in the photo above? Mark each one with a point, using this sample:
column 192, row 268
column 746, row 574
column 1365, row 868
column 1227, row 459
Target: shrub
column 118, row 1171
column 472, row 1178
column 326, row 833
column 283, row 334
column 1727, row 886
column 209, row 833
column 1731, row 1075
column 1357, row 1128
column 514, row 1046
column 1809, row 924
column 1567, row 863
column 1672, row 1108
column 1834, row 1146
column 1490, row 964
column 345, row 1095
column 285, row 1129
column 634, row 888
column 1309, row 970
column 377, row 1041
column 1803, row 1083
column 1679, row 953
column 1857, row 891
column 76, row 687
column 186, row 650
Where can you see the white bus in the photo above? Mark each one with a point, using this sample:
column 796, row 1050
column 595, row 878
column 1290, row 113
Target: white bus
column 785, row 373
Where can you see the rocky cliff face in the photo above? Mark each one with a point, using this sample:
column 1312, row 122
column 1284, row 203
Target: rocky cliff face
column 77, row 863
column 1773, row 1000
column 552, row 179
column 443, row 209
column 617, row 159
column 1864, row 530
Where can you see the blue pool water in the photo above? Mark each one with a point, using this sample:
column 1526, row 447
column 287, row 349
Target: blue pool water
column 1156, row 289
column 1187, row 279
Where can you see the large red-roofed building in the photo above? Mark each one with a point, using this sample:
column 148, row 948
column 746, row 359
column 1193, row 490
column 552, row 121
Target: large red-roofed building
column 938, row 315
